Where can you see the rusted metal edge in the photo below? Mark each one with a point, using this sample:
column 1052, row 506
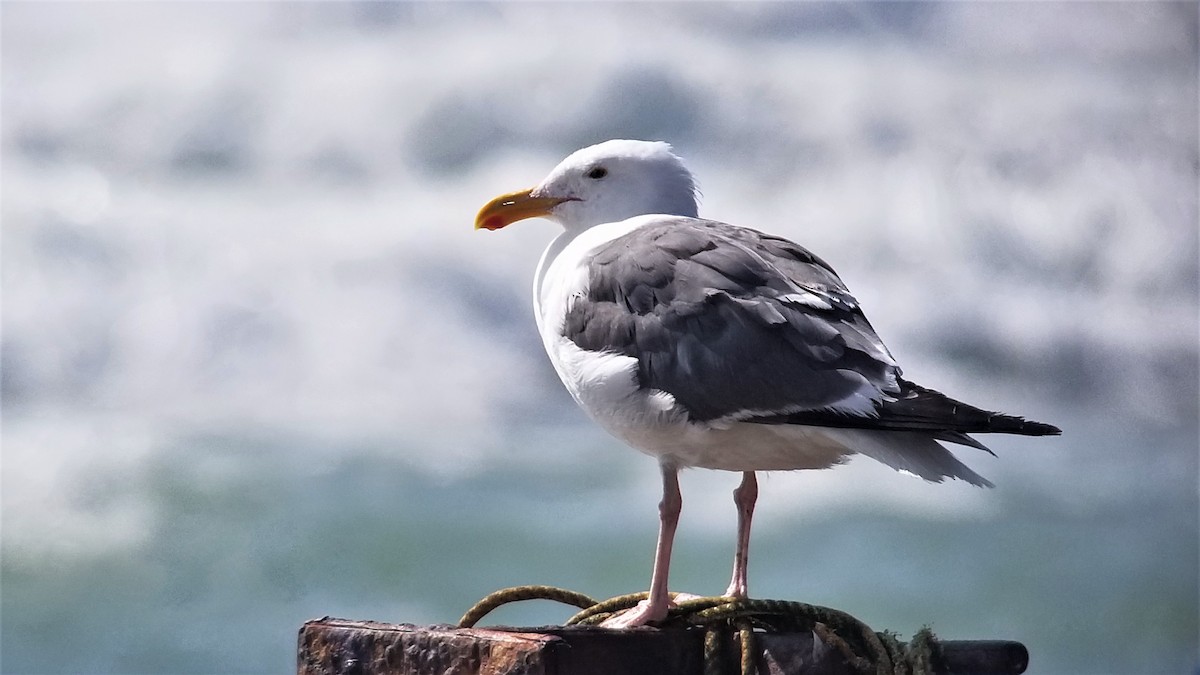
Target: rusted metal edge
column 331, row 646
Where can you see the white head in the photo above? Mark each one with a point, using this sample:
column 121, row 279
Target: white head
column 604, row 183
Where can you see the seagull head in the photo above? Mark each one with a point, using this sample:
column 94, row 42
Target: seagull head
column 603, row 183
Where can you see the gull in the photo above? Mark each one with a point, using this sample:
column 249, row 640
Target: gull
column 705, row 344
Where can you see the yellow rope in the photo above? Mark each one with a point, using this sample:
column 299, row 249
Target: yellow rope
column 866, row 651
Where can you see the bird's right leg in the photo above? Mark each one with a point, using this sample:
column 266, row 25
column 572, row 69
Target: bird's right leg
column 654, row 608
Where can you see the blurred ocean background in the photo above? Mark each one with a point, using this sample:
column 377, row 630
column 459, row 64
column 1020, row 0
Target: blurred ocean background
column 258, row 368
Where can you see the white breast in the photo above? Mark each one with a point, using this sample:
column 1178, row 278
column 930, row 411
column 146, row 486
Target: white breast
column 603, row 384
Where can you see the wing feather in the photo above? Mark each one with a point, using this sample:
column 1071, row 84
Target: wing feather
column 739, row 325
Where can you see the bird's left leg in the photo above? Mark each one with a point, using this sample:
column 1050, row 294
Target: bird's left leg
column 744, row 496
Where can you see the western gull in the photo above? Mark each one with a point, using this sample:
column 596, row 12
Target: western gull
column 705, row 344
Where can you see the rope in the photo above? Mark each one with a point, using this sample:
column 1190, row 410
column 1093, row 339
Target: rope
column 519, row 593
column 867, row 652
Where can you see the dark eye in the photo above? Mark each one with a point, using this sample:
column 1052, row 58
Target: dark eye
column 596, row 173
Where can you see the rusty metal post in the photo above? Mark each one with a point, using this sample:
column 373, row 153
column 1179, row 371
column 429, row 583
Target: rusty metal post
column 342, row 647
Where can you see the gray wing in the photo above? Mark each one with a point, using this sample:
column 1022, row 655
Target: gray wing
column 733, row 323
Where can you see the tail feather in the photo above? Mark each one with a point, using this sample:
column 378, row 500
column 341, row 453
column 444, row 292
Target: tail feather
column 914, row 453
column 907, row 427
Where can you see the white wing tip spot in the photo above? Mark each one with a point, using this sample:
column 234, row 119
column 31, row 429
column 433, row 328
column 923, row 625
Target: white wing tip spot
column 661, row 401
column 807, row 299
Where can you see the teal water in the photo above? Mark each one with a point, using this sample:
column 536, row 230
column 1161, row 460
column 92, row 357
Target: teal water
column 235, row 565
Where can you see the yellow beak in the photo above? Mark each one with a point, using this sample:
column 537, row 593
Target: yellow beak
column 508, row 209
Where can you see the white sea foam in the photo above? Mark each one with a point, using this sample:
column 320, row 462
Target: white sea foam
column 267, row 224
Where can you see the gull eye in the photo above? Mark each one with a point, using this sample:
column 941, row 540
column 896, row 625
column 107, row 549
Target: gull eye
column 596, row 173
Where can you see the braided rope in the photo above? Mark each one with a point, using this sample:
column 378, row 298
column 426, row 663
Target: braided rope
column 519, row 593
column 866, row 651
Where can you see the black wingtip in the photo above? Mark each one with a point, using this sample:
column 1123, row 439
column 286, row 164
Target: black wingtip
column 1017, row 425
column 1041, row 429
column 1000, row 423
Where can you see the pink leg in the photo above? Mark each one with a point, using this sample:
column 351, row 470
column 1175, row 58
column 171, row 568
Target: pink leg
column 744, row 496
column 654, row 608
